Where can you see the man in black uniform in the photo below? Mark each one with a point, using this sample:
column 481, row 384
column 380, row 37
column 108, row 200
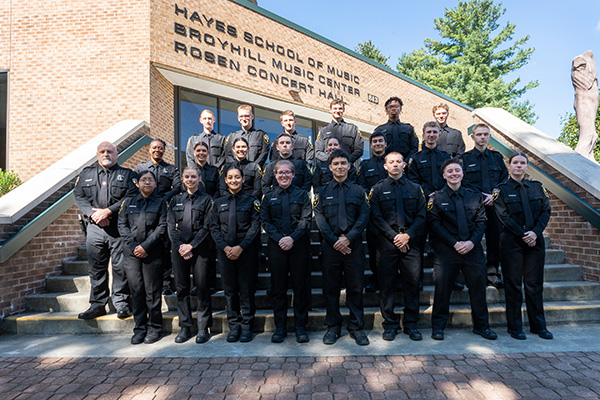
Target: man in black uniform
column 369, row 173
column 99, row 192
column 400, row 137
column 215, row 141
column 398, row 212
column 303, row 148
column 285, row 149
column 451, row 140
column 347, row 134
column 322, row 174
column 456, row 219
column 485, row 170
column 342, row 212
column 168, row 185
column 258, row 141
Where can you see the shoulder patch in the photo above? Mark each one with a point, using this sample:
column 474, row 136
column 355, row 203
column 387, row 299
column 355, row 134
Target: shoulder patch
column 77, row 181
column 495, row 194
column 226, row 140
column 422, row 193
column 367, row 199
column 358, row 170
column 257, row 205
column 134, row 180
column 409, row 162
column 260, row 170
column 266, row 138
column 371, row 193
column 545, row 191
column 315, row 199
column 430, row 203
column 221, row 170
column 122, row 205
column 309, row 168
column 318, row 135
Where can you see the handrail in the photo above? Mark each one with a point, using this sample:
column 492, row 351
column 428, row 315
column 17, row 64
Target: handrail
column 48, row 216
column 580, row 206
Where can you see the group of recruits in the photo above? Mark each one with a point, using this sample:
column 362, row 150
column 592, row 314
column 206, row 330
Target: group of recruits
column 146, row 221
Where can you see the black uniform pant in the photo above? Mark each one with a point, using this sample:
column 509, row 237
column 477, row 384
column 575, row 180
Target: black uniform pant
column 239, row 284
column 144, row 276
column 390, row 260
column 336, row 267
column 104, row 245
column 294, row 263
column 373, row 237
column 492, row 243
column 447, row 266
column 197, row 266
column 523, row 265
column 167, row 265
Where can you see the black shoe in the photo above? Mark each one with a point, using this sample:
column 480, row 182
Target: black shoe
column 123, row 313
column 184, row 335
column 301, row 335
column 519, row 335
column 331, row 336
column 202, row 336
column 413, row 334
column 486, row 333
column 152, row 337
column 246, row 336
column 166, row 290
column 279, row 335
column 497, row 283
column 437, row 334
column 360, row 337
column 389, row 334
column 92, row 313
column 458, row 286
column 544, row 334
column 138, row 338
column 233, row 336
column 212, row 291
column 370, row 288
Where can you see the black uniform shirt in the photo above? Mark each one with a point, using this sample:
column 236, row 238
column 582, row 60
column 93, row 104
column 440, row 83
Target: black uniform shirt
column 302, row 176
column 400, row 137
column 154, row 209
column 472, row 160
column 442, row 218
column 247, row 220
column 271, row 213
column 347, row 134
column 258, row 145
column 252, row 178
column 210, row 179
column 167, row 175
column 201, row 206
column 509, row 207
column 322, row 175
column 216, row 145
column 419, row 169
column 121, row 184
column 451, row 141
column 303, row 149
column 327, row 206
column 370, row 172
column 383, row 207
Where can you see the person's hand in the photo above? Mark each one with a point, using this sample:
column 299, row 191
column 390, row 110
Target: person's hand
column 286, row 243
column 185, row 251
column 101, row 216
column 139, row 252
column 488, row 200
column 342, row 245
column 401, row 240
column 530, row 238
column 234, row 252
column 463, row 247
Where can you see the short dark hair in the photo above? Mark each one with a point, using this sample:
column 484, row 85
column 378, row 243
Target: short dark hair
column 232, row 167
column 518, row 154
column 393, row 98
column 240, row 139
column 146, row 172
column 338, row 153
column 202, row 144
column 374, row 135
column 454, row 160
column 159, row 141
column 283, row 135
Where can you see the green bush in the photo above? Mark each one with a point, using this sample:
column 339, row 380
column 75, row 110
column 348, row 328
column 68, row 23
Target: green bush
column 569, row 134
column 8, row 181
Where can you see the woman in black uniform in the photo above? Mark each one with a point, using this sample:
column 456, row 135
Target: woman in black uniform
column 142, row 223
column 210, row 173
column 524, row 210
column 251, row 170
column 235, row 225
column 188, row 231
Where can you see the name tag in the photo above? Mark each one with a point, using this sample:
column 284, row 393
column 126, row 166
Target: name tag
column 445, row 204
column 178, row 204
column 372, row 169
column 472, row 165
column 329, row 198
column 424, row 161
column 512, row 195
column 387, row 192
column 273, row 198
column 132, row 206
column 89, row 180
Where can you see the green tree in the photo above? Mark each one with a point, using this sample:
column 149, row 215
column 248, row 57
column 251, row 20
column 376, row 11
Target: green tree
column 569, row 133
column 473, row 58
column 369, row 50
column 8, row 181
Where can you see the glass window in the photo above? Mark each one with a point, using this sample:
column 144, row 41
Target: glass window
column 191, row 104
column 3, row 118
column 228, row 114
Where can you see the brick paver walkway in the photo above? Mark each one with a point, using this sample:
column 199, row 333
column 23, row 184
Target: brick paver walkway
column 499, row 376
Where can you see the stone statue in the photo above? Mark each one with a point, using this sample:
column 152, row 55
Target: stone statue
column 584, row 75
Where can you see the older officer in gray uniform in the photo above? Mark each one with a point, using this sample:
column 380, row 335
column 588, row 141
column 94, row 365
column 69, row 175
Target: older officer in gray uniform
column 215, row 142
column 347, row 134
column 99, row 192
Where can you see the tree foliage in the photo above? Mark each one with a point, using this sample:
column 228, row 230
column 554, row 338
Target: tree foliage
column 369, row 50
column 8, row 181
column 569, row 134
column 473, row 58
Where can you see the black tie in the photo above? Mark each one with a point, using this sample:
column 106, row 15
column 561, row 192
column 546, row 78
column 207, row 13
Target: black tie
column 435, row 179
column 286, row 220
column 400, row 217
column 232, row 219
column 186, row 223
column 461, row 218
column 103, row 196
column 342, row 218
column 526, row 208
column 141, row 227
column 486, row 186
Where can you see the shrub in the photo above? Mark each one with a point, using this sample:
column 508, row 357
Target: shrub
column 8, row 181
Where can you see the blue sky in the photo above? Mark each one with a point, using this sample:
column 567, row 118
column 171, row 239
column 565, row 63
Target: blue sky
column 559, row 31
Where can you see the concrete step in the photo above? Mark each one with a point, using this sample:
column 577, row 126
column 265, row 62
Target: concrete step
column 571, row 312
